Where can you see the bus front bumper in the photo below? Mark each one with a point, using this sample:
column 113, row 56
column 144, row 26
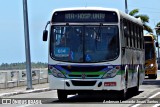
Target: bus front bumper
column 150, row 71
column 86, row 84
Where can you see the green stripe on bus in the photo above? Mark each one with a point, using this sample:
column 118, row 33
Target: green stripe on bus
column 120, row 72
column 49, row 72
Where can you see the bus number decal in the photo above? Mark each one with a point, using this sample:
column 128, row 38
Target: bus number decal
column 62, row 52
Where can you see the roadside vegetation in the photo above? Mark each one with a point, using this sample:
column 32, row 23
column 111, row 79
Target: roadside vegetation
column 22, row 65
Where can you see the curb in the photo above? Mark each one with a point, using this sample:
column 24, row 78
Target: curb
column 24, row 92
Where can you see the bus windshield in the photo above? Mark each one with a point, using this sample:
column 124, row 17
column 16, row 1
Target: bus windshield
column 149, row 51
column 84, row 43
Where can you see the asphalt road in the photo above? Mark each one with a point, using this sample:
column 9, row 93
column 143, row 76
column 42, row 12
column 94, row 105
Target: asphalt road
column 149, row 89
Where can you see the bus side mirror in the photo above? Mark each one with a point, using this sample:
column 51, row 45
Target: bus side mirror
column 45, row 32
column 157, row 44
column 45, row 35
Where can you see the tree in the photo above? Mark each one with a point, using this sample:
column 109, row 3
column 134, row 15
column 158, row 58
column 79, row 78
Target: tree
column 158, row 30
column 144, row 18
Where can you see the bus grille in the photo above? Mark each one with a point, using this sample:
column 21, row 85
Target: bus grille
column 90, row 76
column 83, row 68
column 83, row 83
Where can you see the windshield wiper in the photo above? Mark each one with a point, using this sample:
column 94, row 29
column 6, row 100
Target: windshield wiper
column 99, row 29
column 98, row 35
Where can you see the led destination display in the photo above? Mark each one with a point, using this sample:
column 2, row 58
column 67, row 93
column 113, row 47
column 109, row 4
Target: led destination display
column 85, row 16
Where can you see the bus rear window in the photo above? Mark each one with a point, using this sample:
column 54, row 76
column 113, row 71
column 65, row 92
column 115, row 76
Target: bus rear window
column 148, row 38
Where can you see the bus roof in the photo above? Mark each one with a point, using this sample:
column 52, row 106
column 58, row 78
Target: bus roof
column 120, row 13
column 151, row 35
column 85, row 8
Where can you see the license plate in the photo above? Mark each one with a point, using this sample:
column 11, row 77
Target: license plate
column 110, row 84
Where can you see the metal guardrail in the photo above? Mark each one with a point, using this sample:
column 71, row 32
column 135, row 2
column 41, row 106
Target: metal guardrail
column 16, row 78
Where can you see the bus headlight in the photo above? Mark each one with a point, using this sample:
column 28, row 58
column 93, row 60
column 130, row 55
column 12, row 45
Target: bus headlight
column 111, row 73
column 149, row 66
column 57, row 73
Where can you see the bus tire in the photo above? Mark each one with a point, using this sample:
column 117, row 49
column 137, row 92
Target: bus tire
column 153, row 76
column 62, row 95
column 156, row 76
column 135, row 90
column 123, row 94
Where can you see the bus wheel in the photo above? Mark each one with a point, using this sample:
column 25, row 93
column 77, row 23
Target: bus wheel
column 153, row 76
column 135, row 90
column 156, row 76
column 62, row 95
column 124, row 93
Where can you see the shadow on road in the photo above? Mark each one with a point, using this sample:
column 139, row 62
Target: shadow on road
column 94, row 98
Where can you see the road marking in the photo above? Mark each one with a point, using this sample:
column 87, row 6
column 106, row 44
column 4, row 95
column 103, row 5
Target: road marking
column 23, row 92
column 24, row 105
column 28, row 91
column 7, row 94
column 156, row 105
column 136, row 105
column 154, row 95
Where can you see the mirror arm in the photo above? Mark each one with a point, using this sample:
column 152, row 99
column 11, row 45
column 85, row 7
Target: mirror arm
column 47, row 24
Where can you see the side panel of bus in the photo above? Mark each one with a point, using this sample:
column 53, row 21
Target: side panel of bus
column 132, row 52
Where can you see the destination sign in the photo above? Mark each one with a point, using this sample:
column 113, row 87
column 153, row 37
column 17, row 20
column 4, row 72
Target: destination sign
column 85, row 16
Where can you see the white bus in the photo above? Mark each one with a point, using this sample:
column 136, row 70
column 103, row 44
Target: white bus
column 94, row 49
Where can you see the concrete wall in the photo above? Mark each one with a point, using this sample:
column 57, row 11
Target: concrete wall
column 15, row 78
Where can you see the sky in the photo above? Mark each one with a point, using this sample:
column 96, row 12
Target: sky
column 12, row 42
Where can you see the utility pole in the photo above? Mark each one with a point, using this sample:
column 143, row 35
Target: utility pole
column 158, row 45
column 27, row 46
column 157, row 28
column 126, row 7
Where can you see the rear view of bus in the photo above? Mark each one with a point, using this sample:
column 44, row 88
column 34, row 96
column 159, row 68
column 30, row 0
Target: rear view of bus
column 151, row 66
